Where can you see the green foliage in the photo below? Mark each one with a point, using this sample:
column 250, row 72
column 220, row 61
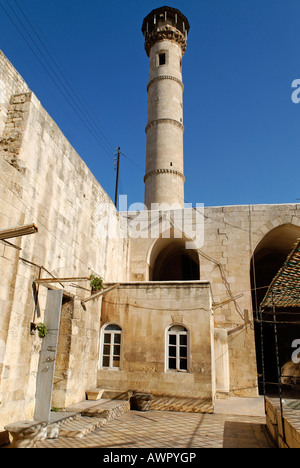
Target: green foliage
column 42, row 330
column 96, row 283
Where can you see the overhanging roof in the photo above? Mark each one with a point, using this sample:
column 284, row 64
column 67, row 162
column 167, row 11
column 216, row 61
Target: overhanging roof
column 284, row 291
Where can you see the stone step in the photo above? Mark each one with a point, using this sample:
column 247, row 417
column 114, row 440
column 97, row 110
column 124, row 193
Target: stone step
column 97, row 393
column 94, row 393
column 80, row 427
column 117, row 394
column 293, row 404
column 77, row 421
column 111, row 409
column 91, row 416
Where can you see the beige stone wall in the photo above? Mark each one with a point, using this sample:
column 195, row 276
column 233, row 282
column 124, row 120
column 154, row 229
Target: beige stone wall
column 231, row 235
column 44, row 181
column 10, row 83
column 145, row 311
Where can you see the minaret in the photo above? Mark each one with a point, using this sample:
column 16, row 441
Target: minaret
column 165, row 31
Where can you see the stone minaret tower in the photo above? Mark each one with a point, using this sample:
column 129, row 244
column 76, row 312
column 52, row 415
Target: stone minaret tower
column 165, row 31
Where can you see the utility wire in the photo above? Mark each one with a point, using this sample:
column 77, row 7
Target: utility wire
column 189, row 203
column 99, row 135
column 64, row 76
column 70, row 101
column 80, row 108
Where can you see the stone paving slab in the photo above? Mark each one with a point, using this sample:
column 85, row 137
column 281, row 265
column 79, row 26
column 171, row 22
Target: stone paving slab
column 163, row 429
column 241, row 406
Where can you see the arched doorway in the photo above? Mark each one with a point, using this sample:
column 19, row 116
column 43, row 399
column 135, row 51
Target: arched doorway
column 268, row 257
column 171, row 261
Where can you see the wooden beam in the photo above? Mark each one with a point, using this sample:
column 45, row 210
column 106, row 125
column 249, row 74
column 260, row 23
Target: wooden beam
column 61, row 280
column 220, row 304
column 5, row 242
column 234, row 330
column 94, row 296
column 18, row 231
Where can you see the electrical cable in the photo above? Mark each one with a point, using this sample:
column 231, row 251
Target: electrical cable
column 103, row 140
column 64, row 76
column 70, row 101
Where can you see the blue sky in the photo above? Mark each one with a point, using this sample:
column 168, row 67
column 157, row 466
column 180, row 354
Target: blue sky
column 242, row 130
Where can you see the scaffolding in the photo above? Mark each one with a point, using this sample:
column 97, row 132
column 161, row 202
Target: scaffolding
column 283, row 293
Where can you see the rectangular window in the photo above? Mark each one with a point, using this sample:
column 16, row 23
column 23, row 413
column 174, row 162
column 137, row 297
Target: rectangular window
column 177, row 349
column 111, row 350
column 162, row 58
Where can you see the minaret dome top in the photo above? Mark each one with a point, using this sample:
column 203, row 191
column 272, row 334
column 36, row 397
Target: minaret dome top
column 165, row 23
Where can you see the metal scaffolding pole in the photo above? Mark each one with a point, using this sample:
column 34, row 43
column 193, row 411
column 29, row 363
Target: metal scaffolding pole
column 278, row 365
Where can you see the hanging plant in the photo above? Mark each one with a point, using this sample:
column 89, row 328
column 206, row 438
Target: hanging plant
column 42, row 330
column 96, row 283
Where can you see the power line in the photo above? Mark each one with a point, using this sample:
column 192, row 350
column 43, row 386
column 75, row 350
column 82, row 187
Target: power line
column 67, row 80
column 93, row 127
column 59, row 66
column 68, row 96
column 189, row 203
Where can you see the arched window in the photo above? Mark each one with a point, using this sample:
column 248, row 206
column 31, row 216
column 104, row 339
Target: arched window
column 111, row 347
column 177, row 349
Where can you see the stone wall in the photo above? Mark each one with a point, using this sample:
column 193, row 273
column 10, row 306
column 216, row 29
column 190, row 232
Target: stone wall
column 145, row 311
column 44, row 181
column 284, row 427
column 231, row 234
column 10, row 83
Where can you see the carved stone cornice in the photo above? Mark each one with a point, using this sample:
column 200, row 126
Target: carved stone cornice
column 165, row 77
column 166, row 32
column 164, row 171
column 170, row 121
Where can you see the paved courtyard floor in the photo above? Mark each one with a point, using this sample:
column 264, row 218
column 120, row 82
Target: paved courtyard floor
column 162, row 429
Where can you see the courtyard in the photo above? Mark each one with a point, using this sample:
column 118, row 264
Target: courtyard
column 166, row 429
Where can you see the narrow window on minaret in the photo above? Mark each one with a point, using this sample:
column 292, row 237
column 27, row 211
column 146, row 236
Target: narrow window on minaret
column 162, row 59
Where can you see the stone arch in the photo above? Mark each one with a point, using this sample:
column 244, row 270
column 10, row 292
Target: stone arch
column 270, row 225
column 169, row 260
column 270, row 253
column 268, row 257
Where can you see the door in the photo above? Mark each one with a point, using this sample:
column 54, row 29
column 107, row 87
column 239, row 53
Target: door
column 45, row 375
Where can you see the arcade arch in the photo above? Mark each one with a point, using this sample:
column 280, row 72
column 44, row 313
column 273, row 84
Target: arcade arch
column 268, row 257
column 169, row 260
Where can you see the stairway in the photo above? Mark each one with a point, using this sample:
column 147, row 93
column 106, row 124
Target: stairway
column 85, row 417
column 77, row 421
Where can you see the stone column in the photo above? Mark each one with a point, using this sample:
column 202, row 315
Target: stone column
column 165, row 30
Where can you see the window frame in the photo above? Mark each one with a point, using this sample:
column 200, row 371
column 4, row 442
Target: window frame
column 158, row 55
column 112, row 333
column 177, row 346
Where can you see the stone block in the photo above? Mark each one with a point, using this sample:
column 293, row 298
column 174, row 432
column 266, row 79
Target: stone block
column 94, row 394
column 24, row 434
